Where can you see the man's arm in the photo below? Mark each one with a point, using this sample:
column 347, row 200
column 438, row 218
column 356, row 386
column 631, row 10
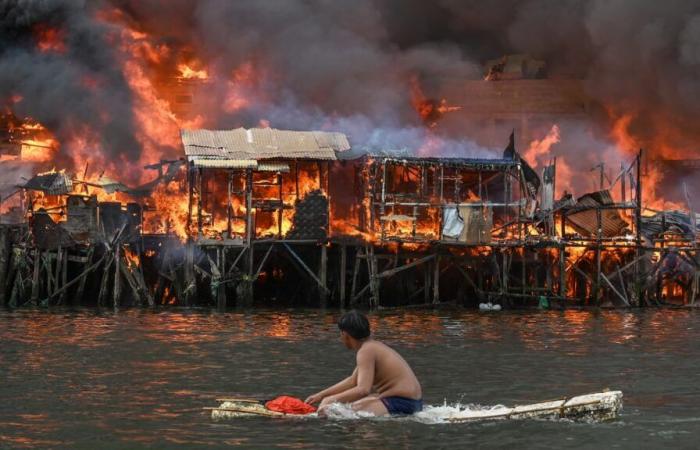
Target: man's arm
column 340, row 386
column 365, row 380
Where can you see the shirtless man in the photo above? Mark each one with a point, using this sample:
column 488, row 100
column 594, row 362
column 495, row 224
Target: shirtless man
column 382, row 383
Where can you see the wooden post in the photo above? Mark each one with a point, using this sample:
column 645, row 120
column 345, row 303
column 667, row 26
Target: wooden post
column 200, row 194
column 57, row 276
column 190, row 279
column 436, row 281
column 228, row 205
column 190, row 199
column 281, row 207
column 35, row 275
column 64, row 276
column 599, row 232
column 4, row 262
column 323, row 274
column 221, row 287
column 343, row 270
column 116, row 294
column 105, row 280
column 562, row 269
column 426, row 284
column 355, row 274
column 373, row 279
column 81, row 287
column 638, row 230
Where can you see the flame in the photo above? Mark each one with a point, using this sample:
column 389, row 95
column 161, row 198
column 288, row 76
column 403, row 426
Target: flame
column 188, row 73
column 49, row 39
column 429, row 110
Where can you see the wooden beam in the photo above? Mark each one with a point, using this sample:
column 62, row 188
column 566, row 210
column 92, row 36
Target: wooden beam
column 392, row 272
column 305, row 267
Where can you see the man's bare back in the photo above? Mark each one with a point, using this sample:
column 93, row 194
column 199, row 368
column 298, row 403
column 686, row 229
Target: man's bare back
column 382, row 382
column 392, row 374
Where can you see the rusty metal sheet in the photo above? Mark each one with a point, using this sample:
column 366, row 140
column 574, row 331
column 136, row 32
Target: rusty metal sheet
column 225, row 163
column 263, row 143
column 52, row 183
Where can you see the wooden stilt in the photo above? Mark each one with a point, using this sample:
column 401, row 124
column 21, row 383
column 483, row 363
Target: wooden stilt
column 355, row 274
column 116, row 293
column 436, row 281
column 81, row 287
column 343, row 270
column 102, row 296
column 323, row 275
column 4, row 262
column 35, row 275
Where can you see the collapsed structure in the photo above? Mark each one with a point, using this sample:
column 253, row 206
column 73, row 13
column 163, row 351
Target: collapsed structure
column 266, row 216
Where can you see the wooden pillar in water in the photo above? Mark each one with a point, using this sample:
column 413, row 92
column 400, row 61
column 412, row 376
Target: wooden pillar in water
column 638, row 231
column 599, row 233
column 323, row 275
column 343, row 270
column 436, row 281
column 35, row 275
column 81, row 285
column 190, row 289
column 64, row 277
column 562, row 269
column 373, row 279
column 4, row 262
column 117, row 281
column 426, row 283
column 220, row 288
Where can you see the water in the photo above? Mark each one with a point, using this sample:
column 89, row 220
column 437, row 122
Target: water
column 139, row 379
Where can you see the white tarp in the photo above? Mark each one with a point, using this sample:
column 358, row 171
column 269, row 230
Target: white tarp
column 452, row 223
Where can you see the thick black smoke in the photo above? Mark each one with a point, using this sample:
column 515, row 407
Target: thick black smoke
column 80, row 88
column 348, row 64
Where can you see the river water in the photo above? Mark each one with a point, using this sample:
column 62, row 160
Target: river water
column 139, row 379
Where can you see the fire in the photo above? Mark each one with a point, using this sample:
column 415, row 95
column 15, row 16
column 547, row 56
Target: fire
column 628, row 144
column 188, row 73
column 541, row 149
column 49, row 39
column 132, row 258
column 429, row 110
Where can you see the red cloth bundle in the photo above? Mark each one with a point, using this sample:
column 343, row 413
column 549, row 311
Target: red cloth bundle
column 289, row 405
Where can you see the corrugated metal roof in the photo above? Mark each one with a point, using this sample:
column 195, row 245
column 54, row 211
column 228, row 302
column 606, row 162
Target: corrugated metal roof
column 263, row 143
column 51, row 183
column 273, row 167
column 225, row 163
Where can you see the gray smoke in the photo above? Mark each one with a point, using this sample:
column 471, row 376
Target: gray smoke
column 347, row 65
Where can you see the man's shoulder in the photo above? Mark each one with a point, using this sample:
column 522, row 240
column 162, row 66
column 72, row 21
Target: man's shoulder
column 372, row 346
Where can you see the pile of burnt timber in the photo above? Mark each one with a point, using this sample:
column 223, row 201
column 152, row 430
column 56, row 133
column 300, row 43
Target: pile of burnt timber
column 280, row 217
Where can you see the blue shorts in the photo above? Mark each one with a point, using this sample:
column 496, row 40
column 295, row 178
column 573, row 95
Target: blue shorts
column 402, row 405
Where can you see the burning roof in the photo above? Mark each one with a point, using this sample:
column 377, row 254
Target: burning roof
column 242, row 148
column 51, row 183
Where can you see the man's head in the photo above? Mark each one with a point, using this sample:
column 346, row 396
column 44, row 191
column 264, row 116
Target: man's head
column 353, row 325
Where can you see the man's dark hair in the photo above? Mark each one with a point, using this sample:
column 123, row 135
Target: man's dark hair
column 355, row 324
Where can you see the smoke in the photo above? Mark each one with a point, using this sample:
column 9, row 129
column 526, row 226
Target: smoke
column 347, row 65
column 78, row 87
